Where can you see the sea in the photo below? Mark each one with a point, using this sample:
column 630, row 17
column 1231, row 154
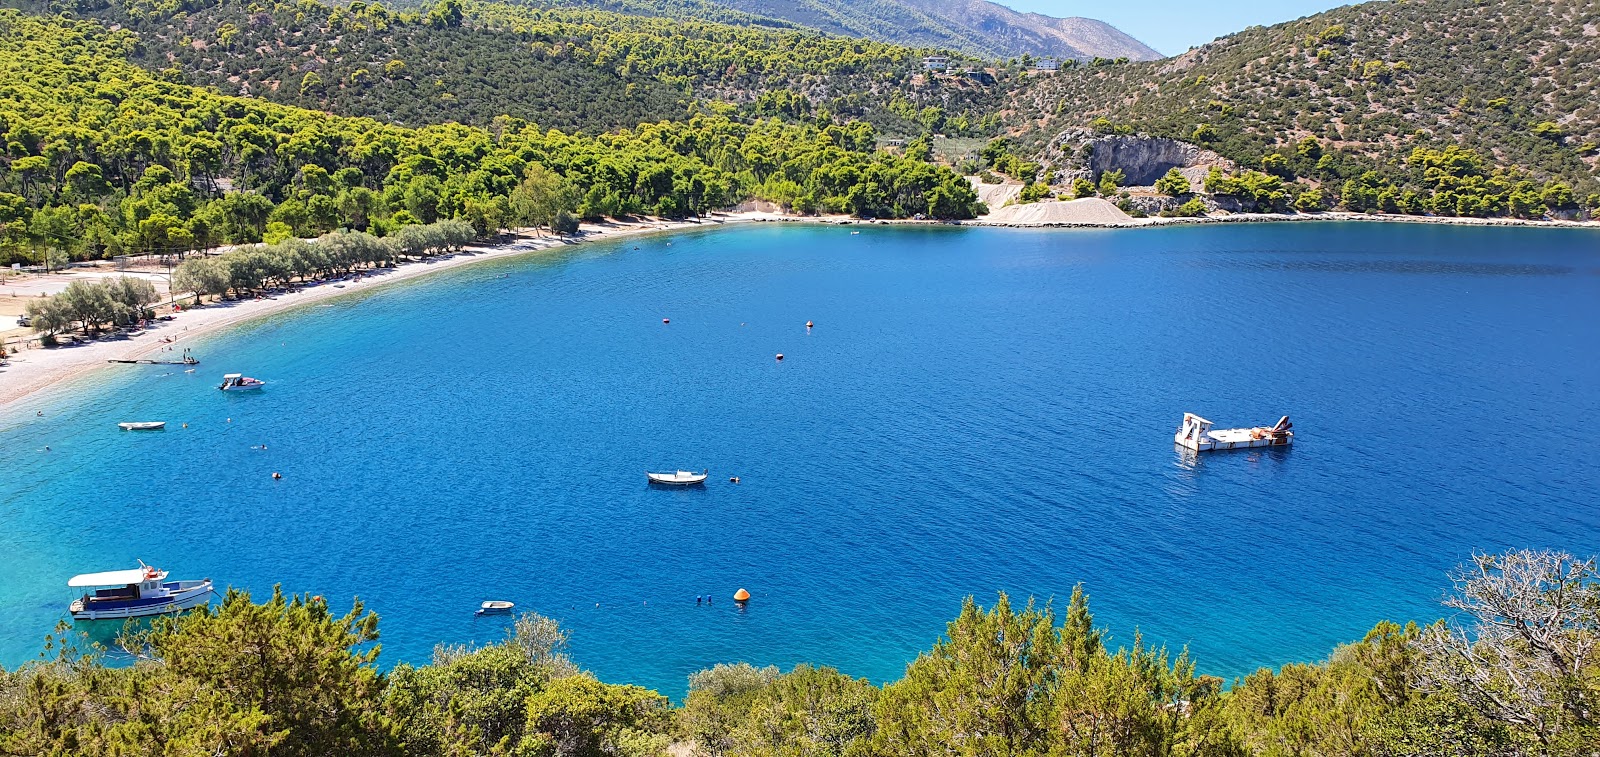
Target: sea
column 972, row 412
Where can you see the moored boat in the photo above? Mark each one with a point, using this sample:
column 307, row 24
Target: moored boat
column 139, row 592
column 678, row 478
column 143, row 426
column 1196, row 434
column 238, row 382
column 496, row 607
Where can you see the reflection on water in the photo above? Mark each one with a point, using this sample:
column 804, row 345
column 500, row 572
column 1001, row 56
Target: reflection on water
column 1412, row 267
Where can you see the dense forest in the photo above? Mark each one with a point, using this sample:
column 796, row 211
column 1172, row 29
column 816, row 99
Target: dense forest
column 1513, row 674
column 105, row 158
column 1435, row 106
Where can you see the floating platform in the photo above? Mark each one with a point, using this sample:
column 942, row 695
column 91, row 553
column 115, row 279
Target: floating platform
column 190, row 361
column 1196, row 435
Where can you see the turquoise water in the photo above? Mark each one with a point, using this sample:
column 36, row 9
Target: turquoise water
column 975, row 411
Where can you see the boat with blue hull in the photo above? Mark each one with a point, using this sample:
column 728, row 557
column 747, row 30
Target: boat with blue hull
column 135, row 593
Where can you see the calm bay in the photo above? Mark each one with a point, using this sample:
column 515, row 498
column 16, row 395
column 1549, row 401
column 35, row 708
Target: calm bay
column 976, row 410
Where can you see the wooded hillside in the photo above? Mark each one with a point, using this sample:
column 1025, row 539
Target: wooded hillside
column 1509, row 84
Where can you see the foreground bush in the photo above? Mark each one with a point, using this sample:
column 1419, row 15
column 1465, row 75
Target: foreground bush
column 1516, row 676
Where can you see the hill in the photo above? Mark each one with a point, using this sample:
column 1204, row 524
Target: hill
column 1455, row 101
column 573, row 69
column 105, row 158
column 975, row 27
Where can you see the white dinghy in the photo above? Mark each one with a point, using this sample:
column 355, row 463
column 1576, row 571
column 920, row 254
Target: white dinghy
column 143, row 426
column 678, row 478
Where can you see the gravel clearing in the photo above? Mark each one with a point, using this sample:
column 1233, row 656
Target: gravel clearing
column 1089, row 210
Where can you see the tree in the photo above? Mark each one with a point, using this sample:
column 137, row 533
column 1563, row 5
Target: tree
column 578, row 716
column 131, row 297
column 1174, row 184
column 543, row 197
column 1111, row 181
column 1339, row 707
column 311, row 673
column 1082, row 187
column 1310, row 201
column 446, row 14
column 1525, row 654
column 982, row 690
column 202, row 276
column 472, row 700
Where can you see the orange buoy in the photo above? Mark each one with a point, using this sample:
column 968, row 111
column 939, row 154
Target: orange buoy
column 741, row 596
column 780, row 357
column 666, row 320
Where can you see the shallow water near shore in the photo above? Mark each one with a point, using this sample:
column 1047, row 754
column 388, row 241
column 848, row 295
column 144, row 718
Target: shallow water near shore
column 976, row 410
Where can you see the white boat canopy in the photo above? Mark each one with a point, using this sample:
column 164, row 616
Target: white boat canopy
column 109, row 578
column 226, row 376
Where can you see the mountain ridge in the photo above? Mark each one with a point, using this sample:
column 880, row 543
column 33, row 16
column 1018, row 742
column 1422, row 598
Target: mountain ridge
column 974, row 27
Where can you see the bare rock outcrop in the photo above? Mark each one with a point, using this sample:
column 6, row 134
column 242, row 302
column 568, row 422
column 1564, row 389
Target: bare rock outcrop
column 1079, row 153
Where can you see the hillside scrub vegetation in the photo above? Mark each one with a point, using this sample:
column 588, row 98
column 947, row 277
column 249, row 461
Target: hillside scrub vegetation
column 1514, row 673
column 103, row 158
column 1447, row 107
column 574, row 69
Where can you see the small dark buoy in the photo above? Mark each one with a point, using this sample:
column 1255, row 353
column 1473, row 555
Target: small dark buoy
column 741, row 596
column 809, row 324
column 276, row 476
column 733, row 480
column 666, row 320
column 780, row 357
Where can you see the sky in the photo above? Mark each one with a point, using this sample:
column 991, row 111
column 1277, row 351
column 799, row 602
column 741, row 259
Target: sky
column 1173, row 26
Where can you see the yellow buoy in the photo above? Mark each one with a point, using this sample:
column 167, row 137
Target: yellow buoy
column 741, row 596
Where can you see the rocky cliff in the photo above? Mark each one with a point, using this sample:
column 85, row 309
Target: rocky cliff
column 1079, row 153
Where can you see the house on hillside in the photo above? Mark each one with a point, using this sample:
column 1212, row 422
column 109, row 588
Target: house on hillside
column 1047, row 64
column 935, row 63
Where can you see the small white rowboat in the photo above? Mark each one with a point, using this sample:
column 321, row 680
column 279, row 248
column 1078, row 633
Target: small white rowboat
column 143, row 426
column 496, row 607
column 678, row 478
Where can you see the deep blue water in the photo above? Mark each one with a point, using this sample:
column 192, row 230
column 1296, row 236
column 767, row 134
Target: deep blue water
column 975, row 411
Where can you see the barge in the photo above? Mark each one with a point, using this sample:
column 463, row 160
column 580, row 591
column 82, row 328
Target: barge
column 1195, row 434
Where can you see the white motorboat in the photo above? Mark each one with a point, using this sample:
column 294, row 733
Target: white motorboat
column 238, row 382
column 496, row 607
column 679, row 478
column 143, row 426
column 139, row 592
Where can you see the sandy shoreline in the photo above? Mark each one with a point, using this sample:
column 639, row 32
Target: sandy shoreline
column 29, row 373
